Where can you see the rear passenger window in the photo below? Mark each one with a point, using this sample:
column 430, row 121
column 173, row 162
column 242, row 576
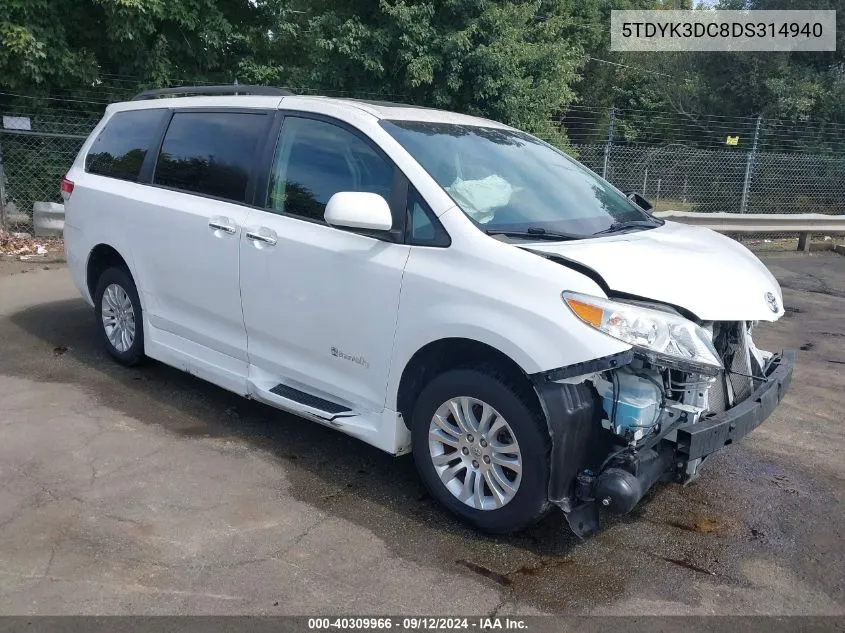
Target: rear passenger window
column 210, row 152
column 121, row 147
column 315, row 160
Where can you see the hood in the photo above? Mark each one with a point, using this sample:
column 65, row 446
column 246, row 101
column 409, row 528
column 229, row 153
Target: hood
column 712, row 276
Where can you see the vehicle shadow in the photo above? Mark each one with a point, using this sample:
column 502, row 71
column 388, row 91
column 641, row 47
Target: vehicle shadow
column 57, row 342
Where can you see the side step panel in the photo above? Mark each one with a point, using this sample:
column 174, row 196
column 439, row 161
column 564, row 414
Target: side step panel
column 309, row 400
column 382, row 429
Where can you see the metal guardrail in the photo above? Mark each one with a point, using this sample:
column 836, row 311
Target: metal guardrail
column 48, row 219
column 759, row 222
column 805, row 224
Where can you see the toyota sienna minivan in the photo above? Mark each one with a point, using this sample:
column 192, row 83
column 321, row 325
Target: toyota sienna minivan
column 427, row 282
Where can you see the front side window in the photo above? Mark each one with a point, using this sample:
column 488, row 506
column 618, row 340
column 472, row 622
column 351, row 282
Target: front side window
column 506, row 180
column 211, row 153
column 424, row 229
column 121, row 147
column 315, row 160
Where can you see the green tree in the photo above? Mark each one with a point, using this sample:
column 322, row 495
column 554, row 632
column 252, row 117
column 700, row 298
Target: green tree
column 66, row 46
column 512, row 61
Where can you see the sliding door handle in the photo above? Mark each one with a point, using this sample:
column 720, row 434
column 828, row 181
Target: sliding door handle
column 222, row 224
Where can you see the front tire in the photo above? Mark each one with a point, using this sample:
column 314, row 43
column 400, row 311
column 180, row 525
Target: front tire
column 119, row 316
column 482, row 449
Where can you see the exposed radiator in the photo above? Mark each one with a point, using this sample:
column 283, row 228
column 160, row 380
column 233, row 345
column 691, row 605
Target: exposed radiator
column 717, row 397
column 734, row 384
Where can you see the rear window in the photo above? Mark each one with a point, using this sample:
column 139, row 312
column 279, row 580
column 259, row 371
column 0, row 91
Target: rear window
column 121, row 147
column 210, row 153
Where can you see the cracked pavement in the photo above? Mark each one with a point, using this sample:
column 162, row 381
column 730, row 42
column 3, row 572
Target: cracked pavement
column 147, row 491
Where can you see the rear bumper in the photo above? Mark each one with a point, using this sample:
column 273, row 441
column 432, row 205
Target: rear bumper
column 77, row 261
column 707, row 436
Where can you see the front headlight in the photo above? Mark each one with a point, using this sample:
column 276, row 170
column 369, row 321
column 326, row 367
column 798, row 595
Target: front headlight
column 659, row 335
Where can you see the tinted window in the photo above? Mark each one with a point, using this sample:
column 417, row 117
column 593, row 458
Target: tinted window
column 120, row 148
column 315, row 160
column 424, row 229
column 210, row 152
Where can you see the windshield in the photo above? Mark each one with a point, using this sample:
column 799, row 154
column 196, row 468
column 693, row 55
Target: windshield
column 509, row 181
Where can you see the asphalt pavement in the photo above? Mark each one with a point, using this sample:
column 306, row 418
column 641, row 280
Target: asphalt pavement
column 148, row 491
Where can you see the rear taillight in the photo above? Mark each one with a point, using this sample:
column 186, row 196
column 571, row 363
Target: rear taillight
column 66, row 188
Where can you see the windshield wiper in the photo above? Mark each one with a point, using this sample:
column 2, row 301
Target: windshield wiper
column 536, row 233
column 630, row 224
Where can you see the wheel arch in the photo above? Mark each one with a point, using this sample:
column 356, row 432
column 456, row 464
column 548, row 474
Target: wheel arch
column 445, row 354
column 102, row 257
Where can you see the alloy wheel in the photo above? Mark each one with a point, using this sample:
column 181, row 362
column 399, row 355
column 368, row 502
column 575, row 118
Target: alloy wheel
column 118, row 317
column 475, row 453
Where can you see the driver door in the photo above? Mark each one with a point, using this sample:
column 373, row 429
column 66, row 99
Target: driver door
column 320, row 303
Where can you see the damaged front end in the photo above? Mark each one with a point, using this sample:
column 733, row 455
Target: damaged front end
column 656, row 412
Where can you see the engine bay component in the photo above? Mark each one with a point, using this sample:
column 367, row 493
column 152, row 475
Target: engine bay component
column 631, row 402
column 619, row 490
column 623, row 428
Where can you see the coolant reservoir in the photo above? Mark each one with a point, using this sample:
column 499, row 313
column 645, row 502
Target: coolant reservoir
column 637, row 407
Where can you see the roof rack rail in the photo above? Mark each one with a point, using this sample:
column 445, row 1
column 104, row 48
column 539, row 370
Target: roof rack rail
column 226, row 89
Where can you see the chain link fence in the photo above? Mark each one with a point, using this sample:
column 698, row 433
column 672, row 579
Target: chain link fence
column 35, row 153
column 689, row 172
column 33, row 165
column 678, row 178
column 710, row 164
column 688, row 179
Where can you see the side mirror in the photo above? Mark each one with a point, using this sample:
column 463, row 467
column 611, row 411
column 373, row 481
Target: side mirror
column 359, row 210
column 638, row 200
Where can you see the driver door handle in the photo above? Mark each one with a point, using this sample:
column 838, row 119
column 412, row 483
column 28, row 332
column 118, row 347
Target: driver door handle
column 263, row 235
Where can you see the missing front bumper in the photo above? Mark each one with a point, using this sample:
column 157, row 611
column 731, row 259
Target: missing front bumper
column 709, row 435
column 618, row 490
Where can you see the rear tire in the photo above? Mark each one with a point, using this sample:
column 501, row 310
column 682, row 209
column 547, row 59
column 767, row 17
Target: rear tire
column 119, row 317
column 501, row 445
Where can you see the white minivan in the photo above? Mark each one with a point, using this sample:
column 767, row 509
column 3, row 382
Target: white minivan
column 425, row 281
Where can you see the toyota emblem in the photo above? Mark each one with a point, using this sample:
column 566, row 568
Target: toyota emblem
column 772, row 301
